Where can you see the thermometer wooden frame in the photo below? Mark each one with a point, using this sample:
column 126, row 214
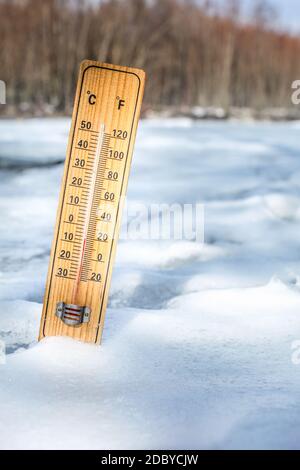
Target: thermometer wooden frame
column 104, row 123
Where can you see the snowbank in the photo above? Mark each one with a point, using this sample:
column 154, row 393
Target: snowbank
column 197, row 348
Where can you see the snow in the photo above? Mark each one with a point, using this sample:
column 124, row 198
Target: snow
column 199, row 339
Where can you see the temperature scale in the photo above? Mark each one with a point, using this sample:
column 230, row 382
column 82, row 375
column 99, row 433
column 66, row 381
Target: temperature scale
column 104, row 123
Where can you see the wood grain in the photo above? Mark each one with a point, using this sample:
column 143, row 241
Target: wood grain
column 104, row 123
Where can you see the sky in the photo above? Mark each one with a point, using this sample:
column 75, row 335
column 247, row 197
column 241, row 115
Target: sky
column 289, row 11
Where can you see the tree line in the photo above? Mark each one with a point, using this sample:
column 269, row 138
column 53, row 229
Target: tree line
column 193, row 53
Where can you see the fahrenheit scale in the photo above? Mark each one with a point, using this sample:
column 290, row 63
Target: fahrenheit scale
column 106, row 112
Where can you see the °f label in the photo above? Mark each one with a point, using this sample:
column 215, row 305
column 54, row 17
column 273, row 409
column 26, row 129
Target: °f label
column 104, row 123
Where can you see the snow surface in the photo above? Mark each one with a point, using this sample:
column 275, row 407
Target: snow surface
column 198, row 341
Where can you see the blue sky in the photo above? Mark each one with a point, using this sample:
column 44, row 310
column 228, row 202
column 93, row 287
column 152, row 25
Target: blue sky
column 289, row 12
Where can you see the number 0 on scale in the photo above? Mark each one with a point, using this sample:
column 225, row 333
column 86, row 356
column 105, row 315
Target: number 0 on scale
column 106, row 112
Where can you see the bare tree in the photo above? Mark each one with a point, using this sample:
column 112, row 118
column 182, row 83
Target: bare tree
column 193, row 53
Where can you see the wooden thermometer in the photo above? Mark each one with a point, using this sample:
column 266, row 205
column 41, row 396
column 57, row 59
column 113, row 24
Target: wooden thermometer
column 106, row 112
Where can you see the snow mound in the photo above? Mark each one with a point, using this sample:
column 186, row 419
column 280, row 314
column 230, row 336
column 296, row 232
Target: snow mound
column 199, row 340
column 283, row 206
column 153, row 374
column 19, row 324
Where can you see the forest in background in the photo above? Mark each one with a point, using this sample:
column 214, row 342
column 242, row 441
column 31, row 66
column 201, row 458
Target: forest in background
column 193, row 54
